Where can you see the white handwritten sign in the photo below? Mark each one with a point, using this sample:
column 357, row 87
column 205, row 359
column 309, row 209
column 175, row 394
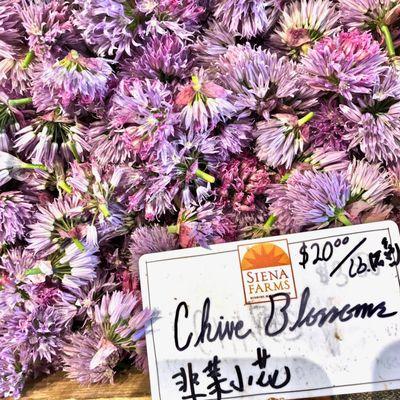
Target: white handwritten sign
column 296, row 316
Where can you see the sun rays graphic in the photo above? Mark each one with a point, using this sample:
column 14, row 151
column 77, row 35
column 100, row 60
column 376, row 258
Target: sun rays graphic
column 264, row 255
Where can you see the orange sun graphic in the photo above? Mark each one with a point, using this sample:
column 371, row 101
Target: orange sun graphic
column 264, row 255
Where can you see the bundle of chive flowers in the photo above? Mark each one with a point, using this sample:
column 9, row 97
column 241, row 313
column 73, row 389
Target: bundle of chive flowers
column 130, row 127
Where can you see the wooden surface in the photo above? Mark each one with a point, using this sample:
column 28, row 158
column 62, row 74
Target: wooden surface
column 127, row 386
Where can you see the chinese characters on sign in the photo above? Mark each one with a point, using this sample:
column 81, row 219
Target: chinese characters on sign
column 187, row 379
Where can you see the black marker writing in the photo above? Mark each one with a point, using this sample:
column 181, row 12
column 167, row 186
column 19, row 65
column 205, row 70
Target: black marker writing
column 310, row 316
column 208, row 332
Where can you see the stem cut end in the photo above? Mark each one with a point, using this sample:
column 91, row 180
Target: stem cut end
column 305, row 119
column 174, row 229
column 203, row 175
column 64, row 186
column 270, row 221
column 343, row 219
column 33, row 271
column 28, row 59
column 78, row 244
column 104, row 210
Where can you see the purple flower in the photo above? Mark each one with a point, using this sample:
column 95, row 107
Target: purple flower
column 204, row 103
column 78, row 352
column 99, row 188
column 40, row 294
column 324, row 197
column 252, row 225
column 108, row 144
column 327, row 128
column 348, row 63
column 233, row 137
column 261, row 80
column 11, row 296
column 15, row 262
column 369, row 182
column 75, row 83
column 115, row 27
column 181, row 179
column 187, row 158
column 115, row 225
column 325, row 160
column 35, row 334
column 57, row 225
column 281, row 139
column 10, row 32
column 39, row 182
column 213, row 43
column 202, row 226
column 12, row 374
column 15, row 212
column 142, row 110
column 149, row 239
column 367, row 14
column 180, row 17
column 15, row 79
column 73, row 266
column 373, row 120
column 78, row 303
column 51, row 137
column 122, row 322
column 302, row 23
column 130, row 127
column 151, row 189
column 244, row 183
column 110, row 27
column 47, row 25
column 310, row 199
column 247, row 17
column 165, row 58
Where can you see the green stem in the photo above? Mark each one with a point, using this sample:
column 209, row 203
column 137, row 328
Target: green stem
column 78, row 244
column 173, row 229
column 285, row 177
column 74, row 54
column 388, row 40
column 64, row 186
column 196, row 83
column 305, row 119
column 203, row 175
column 19, row 102
column 343, row 219
column 305, row 47
column 33, row 271
column 34, row 166
column 28, row 59
column 72, row 147
column 270, row 221
column 104, row 210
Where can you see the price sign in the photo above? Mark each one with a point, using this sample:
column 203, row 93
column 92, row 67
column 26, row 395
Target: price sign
column 296, row 316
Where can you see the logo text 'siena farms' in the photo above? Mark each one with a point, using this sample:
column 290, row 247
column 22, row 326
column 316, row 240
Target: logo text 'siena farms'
column 266, row 270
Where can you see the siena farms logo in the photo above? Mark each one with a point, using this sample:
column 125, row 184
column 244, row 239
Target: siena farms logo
column 266, row 270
